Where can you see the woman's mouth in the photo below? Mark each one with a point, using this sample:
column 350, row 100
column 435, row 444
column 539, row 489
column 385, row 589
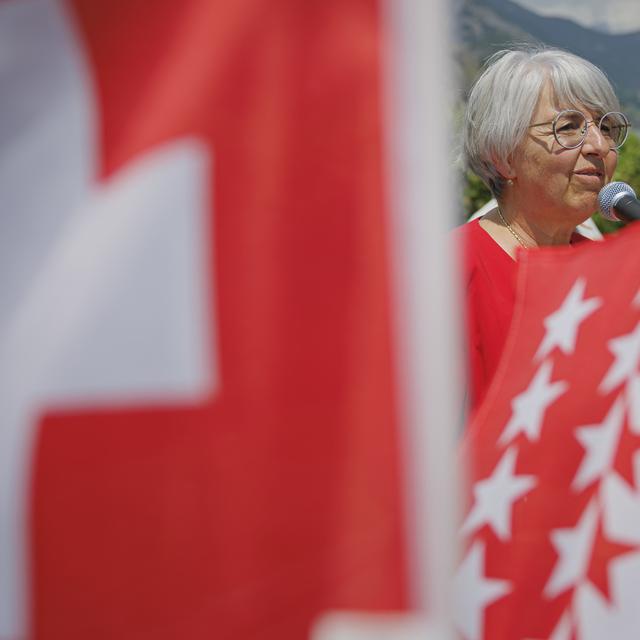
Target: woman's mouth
column 590, row 176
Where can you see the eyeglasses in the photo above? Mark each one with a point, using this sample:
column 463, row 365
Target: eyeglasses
column 570, row 128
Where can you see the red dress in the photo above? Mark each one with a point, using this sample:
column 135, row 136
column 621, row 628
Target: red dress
column 489, row 280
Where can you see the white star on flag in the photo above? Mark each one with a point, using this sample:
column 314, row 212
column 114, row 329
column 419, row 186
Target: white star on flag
column 574, row 547
column 600, row 442
column 620, row 619
column 633, row 399
column 563, row 629
column 494, row 497
column 473, row 592
column 528, row 408
column 626, row 350
column 562, row 325
column 621, row 507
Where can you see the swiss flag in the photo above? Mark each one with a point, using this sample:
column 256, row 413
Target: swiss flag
column 201, row 430
column 552, row 524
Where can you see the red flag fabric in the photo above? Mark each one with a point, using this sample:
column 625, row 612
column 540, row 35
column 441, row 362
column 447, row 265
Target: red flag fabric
column 225, row 320
column 251, row 482
column 551, row 528
column 276, row 496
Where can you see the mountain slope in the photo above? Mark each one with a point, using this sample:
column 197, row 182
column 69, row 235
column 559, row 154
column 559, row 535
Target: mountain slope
column 485, row 26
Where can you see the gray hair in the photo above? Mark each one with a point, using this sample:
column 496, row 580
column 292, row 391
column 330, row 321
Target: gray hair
column 503, row 100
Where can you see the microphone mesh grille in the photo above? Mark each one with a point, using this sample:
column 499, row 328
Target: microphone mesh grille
column 607, row 196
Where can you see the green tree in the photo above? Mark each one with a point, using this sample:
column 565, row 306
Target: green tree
column 628, row 171
column 476, row 194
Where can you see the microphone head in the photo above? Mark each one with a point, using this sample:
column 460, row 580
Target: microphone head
column 608, row 196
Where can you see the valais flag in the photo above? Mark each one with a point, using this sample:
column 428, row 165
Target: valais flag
column 552, row 524
column 225, row 320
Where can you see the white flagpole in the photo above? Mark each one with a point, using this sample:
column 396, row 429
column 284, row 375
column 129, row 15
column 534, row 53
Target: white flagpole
column 419, row 90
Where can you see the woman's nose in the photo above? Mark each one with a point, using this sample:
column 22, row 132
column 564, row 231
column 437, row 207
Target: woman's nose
column 594, row 141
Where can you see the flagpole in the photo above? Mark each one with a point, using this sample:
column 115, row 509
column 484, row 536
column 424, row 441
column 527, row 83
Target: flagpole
column 421, row 190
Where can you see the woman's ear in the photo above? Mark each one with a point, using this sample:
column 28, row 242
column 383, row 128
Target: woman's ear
column 505, row 169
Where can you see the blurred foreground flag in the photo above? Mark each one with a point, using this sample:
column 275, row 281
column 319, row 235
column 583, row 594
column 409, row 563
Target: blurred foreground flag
column 553, row 523
column 216, row 304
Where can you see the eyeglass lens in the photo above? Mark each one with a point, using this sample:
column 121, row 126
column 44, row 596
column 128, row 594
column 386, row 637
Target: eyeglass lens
column 570, row 128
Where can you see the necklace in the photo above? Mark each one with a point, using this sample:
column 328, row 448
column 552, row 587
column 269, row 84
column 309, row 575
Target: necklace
column 519, row 240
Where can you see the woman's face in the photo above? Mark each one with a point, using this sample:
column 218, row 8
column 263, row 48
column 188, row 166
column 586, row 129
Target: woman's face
column 562, row 184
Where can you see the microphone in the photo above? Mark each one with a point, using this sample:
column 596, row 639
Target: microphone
column 618, row 202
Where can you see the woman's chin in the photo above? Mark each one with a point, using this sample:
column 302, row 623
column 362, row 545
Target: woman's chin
column 583, row 205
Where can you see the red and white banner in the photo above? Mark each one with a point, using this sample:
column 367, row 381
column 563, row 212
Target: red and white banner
column 208, row 415
column 552, row 525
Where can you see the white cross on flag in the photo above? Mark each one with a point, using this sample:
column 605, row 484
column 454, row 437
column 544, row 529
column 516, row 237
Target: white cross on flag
column 203, row 299
column 552, row 524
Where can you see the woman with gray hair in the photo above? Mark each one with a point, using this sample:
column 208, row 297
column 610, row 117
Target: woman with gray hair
column 542, row 130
